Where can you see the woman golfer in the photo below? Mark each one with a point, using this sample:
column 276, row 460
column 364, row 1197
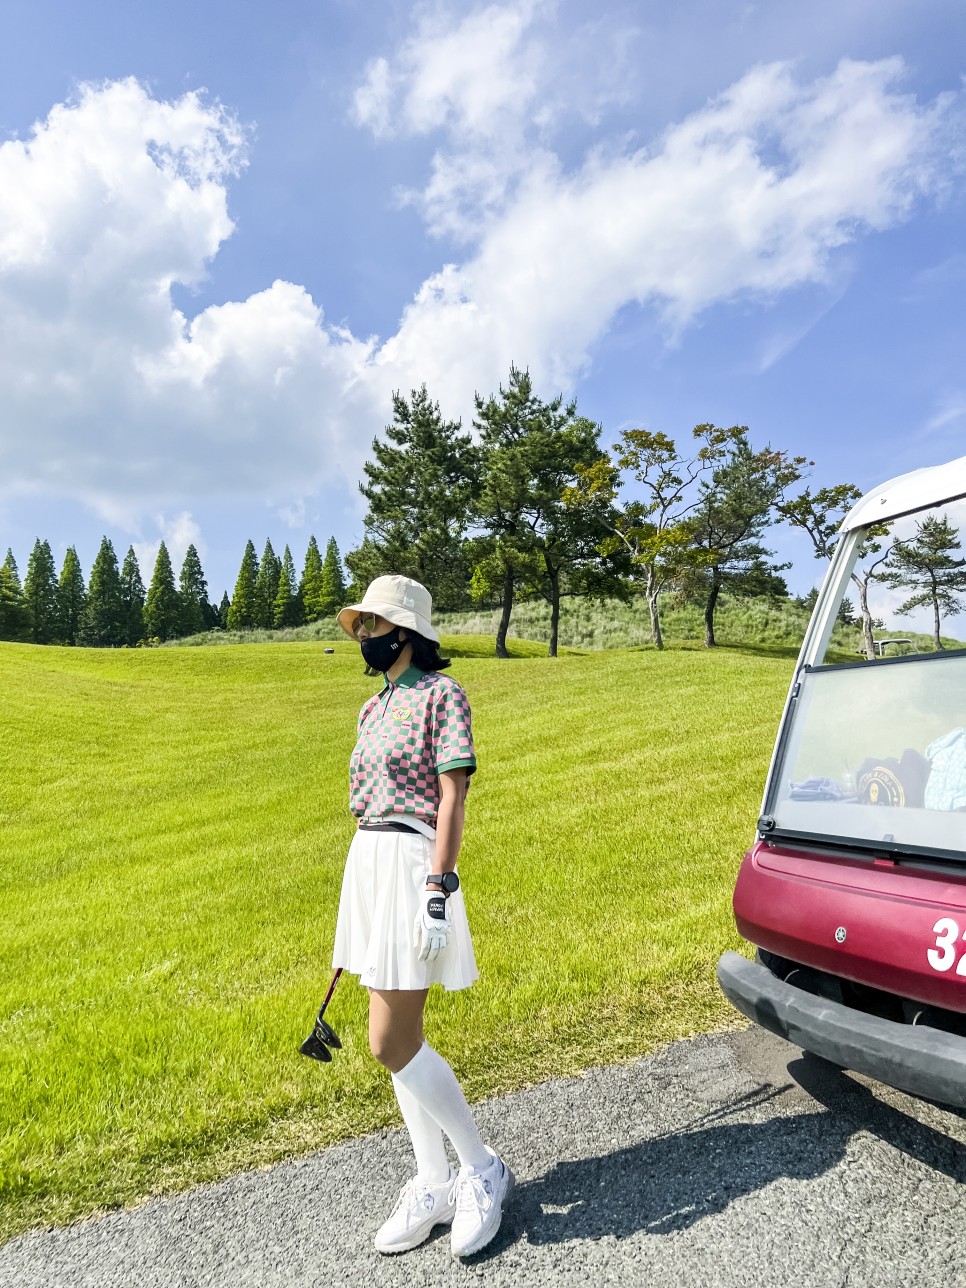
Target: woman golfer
column 402, row 924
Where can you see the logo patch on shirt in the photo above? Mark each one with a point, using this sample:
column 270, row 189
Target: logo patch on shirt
column 401, row 713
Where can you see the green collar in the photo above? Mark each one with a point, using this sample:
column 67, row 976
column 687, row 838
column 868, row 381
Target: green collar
column 409, row 678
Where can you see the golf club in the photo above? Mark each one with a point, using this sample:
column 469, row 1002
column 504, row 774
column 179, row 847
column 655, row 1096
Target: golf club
column 316, row 1045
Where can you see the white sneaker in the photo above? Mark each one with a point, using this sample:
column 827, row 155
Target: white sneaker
column 479, row 1199
column 419, row 1207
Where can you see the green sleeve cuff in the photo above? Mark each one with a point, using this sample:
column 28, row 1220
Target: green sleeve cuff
column 457, row 764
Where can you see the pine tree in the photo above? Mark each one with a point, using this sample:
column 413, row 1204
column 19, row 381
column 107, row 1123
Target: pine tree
column 224, row 608
column 332, row 594
column 162, row 608
column 40, row 592
column 15, row 620
column 102, row 622
column 926, row 564
column 287, row 609
column 244, row 604
column 421, row 486
column 310, row 587
column 266, row 587
column 11, row 566
column 132, row 598
column 533, row 454
column 194, row 594
column 71, row 598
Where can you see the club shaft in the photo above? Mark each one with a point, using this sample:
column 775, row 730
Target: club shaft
column 328, row 996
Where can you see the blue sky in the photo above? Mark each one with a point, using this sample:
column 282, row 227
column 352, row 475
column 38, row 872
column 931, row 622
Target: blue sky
column 227, row 232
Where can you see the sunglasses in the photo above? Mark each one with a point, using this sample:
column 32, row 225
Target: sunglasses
column 367, row 620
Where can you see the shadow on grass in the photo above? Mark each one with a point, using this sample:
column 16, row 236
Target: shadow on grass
column 789, row 651
column 484, row 646
column 673, row 1181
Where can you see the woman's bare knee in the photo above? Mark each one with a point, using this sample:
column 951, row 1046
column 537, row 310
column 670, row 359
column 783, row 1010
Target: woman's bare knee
column 395, row 1026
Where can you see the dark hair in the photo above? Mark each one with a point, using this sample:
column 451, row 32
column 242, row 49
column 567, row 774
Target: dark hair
column 426, row 656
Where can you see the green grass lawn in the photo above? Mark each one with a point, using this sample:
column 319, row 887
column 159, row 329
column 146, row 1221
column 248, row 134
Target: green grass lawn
column 173, row 826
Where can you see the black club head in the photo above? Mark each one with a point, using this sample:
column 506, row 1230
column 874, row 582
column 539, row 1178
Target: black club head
column 325, row 1034
column 316, row 1049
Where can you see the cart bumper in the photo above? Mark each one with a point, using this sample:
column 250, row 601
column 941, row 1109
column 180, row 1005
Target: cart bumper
column 923, row 1061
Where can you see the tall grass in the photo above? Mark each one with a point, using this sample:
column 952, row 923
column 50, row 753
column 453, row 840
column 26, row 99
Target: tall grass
column 589, row 624
column 586, row 624
column 173, row 826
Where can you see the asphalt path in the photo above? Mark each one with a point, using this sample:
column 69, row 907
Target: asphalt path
column 725, row 1160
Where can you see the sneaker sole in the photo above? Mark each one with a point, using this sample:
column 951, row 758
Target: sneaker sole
column 391, row 1250
column 491, row 1234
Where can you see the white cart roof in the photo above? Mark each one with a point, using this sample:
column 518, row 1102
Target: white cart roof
column 931, row 486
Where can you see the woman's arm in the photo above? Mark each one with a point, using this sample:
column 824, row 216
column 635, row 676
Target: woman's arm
column 449, row 818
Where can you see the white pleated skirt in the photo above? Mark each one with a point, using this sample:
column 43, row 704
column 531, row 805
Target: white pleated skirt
column 382, row 890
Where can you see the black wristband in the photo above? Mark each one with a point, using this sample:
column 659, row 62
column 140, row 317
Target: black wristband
column 448, row 880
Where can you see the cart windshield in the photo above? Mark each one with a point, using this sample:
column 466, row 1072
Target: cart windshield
column 873, row 752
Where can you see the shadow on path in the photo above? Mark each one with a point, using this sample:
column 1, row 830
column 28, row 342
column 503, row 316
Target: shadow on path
column 672, row 1181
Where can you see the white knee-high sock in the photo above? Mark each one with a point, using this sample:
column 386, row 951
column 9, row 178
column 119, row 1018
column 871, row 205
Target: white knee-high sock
column 432, row 1083
column 432, row 1165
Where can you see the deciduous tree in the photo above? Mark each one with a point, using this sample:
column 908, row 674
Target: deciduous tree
column 652, row 532
column 819, row 515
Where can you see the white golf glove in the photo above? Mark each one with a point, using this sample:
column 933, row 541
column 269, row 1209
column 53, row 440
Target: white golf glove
column 431, row 928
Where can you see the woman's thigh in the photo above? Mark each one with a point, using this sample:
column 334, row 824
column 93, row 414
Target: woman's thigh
column 396, row 1025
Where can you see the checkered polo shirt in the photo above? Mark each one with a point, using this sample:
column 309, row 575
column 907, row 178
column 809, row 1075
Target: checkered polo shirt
column 410, row 733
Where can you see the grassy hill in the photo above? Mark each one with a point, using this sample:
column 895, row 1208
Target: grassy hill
column 585, row 624
column 173, row 827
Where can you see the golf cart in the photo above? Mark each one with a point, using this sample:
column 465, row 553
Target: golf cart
column 894, row 647
column 854, row 891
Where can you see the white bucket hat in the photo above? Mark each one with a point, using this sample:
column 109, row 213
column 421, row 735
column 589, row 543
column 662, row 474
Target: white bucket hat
column 399, row 600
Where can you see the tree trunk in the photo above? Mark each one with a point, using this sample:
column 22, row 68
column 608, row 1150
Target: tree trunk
column 507, row 607
column 554, row 611
column 709, row 640
column 935, row 607
column 867, row 641
column 650, row 591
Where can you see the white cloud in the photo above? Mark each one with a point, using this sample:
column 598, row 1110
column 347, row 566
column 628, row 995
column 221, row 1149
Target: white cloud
column 108, row 392
column 496, row 84
column 178, row 532
column 787, row 334
column 749, row 196
column 293, row 515
column 951, row 409
column 474, row 75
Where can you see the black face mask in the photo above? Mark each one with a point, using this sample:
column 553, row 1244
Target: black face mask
column 380, row 651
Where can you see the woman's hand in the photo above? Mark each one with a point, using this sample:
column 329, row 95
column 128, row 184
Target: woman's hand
column 431, row 927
